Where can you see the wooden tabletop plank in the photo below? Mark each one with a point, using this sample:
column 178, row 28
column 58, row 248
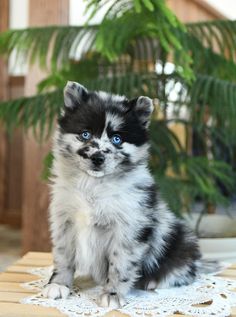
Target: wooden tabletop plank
column 17, row 277
column 19, row 269
column 226, row 276
column 13, row 297
column 27, row 310
column 228, row 272
column 14, row 287
column 115, row 313
column 34, row 263
column 39, row 255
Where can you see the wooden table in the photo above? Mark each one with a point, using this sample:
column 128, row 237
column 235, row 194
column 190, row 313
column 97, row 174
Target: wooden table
column 11, row 291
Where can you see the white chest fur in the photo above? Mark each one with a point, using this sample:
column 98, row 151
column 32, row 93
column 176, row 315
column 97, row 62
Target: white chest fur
column 92, row 234
column 101, row 209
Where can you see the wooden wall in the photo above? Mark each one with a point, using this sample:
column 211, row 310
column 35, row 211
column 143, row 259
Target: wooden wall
column 35, row 192
column 14, row 160
column 4, row 22
column 4, row 9
column 193, row 10
column 22, row 194
column 11, row 157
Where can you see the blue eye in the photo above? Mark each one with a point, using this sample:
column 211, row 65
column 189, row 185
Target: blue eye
column 116, row 139
column 86, row 135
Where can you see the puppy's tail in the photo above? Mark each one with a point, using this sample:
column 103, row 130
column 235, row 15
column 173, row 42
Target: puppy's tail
column 210, row 266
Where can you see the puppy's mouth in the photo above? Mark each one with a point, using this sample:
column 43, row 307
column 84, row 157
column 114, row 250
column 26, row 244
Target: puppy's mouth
column 96, row 173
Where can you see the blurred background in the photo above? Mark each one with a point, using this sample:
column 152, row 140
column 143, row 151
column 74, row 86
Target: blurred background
column 182, row 53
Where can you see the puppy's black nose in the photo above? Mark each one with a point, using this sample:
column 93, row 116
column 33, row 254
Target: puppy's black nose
column 98, row 158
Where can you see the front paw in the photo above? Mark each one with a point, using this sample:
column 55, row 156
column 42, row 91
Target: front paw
column 55, row 291
column 111, row 300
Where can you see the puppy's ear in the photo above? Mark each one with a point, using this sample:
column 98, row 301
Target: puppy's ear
column 143, row 106
column 74, row 94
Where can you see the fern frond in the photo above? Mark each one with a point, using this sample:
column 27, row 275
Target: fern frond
column 218, row 35
column 207, row 94
column 121, row 56
column 201, row 179
column 166, row 148
column 38, row 112
column 137, row 19
column 216, row 97
column 207, row 175
column 59, row 44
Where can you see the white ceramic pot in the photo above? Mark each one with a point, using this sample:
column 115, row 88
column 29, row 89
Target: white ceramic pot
column 222, row 249
column 217, row 236
column 213, row 225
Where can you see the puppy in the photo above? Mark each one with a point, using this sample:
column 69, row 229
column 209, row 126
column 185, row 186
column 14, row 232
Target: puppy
column 107, row 218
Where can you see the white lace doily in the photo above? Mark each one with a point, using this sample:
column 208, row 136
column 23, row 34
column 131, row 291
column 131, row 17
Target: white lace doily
column 214, row 291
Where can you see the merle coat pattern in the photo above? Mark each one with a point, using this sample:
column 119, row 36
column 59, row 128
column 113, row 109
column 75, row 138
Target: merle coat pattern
column 107, row 218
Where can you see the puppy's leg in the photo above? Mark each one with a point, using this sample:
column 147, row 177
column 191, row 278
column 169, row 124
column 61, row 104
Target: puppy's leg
column 122, row 274
column 64, row 255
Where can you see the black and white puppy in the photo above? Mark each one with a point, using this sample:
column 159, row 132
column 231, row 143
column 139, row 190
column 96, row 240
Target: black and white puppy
column 107, row 218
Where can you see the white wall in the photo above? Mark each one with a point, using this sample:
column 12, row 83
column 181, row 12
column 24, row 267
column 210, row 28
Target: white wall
column 226, row 7
column 18, row 19
column 18, row 15
column 77, row 16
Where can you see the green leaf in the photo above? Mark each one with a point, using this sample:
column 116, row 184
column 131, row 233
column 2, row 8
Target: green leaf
column 47, row 165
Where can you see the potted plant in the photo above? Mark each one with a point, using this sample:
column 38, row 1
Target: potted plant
column 129, row 53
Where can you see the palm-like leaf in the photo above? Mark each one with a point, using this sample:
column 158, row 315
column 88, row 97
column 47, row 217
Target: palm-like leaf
column 59, row 44
column 121, row 56
column 37, row 112
column 218, row 35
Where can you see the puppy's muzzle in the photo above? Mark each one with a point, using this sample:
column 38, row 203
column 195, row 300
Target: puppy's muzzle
column 97, row 159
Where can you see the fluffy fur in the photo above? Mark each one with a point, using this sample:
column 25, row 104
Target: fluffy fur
column 107, row 218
